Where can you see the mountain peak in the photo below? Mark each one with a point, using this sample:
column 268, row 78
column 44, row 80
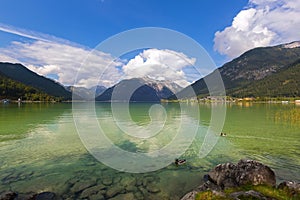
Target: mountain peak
column 292, row 45
column 149, row 90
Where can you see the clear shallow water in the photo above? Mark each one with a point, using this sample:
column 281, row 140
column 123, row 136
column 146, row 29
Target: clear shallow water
column 40, row 149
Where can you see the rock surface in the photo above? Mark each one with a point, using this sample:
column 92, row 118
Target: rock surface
column 292, row 186
column 230, row 175
column 251, row 194
column 45, row 196
column 245, row 172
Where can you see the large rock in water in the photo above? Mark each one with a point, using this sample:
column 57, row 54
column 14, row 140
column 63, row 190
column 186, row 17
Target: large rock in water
column 245, row 172
column 230, row 175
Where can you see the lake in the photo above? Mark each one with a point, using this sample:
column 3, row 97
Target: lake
column 41, row 150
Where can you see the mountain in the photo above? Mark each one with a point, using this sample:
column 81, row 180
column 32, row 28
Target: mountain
column 97, row 90
column 85, row 93
column 251, row 67
column 283, row 83
column 11, row 89
column 21, row 74
column 139, row 90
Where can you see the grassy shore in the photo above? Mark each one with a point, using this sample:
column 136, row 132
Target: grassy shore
column 268, row 191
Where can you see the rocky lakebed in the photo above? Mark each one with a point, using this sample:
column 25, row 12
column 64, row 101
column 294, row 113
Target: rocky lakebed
column 225, row 181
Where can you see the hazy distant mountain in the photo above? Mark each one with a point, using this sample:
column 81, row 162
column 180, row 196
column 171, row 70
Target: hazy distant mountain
column 85, row 93
column 21, row 74
column 97, row 90
column 143, row 90
column 252, row 66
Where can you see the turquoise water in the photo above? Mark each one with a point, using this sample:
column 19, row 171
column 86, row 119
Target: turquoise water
column 40, row 149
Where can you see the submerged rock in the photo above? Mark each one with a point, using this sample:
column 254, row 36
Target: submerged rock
column 152, row 188
column 45, row 196
column 127, row 196
column 92, row 191
column 81, row 185
column 97, row 196
column 8, row 195
column 128, row 181
column 107, row 181
column 113, row 191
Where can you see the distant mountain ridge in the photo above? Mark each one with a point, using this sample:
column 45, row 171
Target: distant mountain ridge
column 252, row 66
column 143, row 90
column 260, row 72
column 87, row 93
column 20, row 73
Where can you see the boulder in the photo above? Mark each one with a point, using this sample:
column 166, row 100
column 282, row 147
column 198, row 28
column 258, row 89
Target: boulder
column 245, row 172
column 230, row 175
column 255, row 173
column 223, row 175
column 292, row 186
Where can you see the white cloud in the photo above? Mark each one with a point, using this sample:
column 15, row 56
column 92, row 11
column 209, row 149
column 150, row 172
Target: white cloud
column 34, row 35
column 262, row 23
column 159, row 64
column 48, row 56
column 6, row 58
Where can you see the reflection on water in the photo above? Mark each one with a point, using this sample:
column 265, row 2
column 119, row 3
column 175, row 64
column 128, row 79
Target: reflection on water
column 40, row 149
column 16, row 120
column 289, row 116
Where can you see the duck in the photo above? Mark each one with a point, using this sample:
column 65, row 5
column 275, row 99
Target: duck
column 180, row 161
column 223, row 134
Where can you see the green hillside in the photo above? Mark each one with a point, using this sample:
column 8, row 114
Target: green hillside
column 21, row 74
column 248, row 74
column 11, row 89
column 284, row 83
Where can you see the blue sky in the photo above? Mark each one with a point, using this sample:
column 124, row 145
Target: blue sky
column 224, row 29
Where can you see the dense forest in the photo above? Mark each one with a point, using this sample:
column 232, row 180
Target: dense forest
column 42, row 86
column 284, row 83
column 13, row 90
column 260, row 72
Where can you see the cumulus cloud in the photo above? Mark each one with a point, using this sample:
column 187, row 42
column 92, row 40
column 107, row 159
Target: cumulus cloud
column 262, row 23
column 73, row 64
column 160, row 65
column 65, row 61
column 6, row 58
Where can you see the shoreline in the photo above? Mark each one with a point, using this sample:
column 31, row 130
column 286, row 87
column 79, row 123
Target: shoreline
column 162, row 102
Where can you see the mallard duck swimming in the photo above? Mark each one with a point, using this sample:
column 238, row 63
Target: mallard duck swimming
column 223, row 134
column 180, row 161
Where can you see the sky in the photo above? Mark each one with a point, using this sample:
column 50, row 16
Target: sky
column 54, row 37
